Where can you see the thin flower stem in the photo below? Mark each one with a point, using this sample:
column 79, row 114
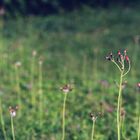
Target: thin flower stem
column 93, row 129
column 18, row 86
column 40, row 94
column 117, row 65
column 32, row 80
column 63, row 119
column 139, row 129
column 12, row 128
column 118, row 106
column 2, row 122
column 128, row 69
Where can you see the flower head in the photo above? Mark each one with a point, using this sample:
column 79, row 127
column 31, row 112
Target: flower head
column 34, row 53
column 93, row 116
column 109, row 57
column 13, row 110
column 18, row 64
column 66, row 88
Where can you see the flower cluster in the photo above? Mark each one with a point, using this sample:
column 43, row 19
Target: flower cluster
column 120, row 57
column 120, row 61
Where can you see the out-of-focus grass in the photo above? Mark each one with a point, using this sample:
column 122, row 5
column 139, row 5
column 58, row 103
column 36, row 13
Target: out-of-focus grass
column 73, row 48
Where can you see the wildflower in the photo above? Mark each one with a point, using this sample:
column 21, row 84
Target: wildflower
column 13, row 110
column 66, row 88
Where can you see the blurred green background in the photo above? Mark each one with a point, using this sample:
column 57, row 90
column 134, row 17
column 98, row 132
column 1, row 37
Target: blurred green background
column 72, row 39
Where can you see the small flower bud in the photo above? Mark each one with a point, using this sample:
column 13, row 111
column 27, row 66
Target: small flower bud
column 119, row 53
column 125, row 52
column 126, row 58
column 122, row 58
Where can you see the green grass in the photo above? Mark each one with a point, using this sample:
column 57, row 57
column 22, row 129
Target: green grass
column 73, row 48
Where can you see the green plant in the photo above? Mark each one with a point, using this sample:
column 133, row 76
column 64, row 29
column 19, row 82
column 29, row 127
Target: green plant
column 40, row 93
column 120, row 62
column 93, row 118
column 2, row 122
column 66, row 89
column 12, row 112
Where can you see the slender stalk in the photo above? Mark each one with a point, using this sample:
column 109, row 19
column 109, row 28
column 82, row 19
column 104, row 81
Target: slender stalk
column 117, row 65
column 63, row 119
column 40, row 93
column 93, row 129
column 139, row 129
column 12, row 128
column 32, row 79
column 118, row 106
column 2, row 122
column 18, row 85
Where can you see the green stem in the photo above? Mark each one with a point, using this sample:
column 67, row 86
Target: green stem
column 63, row 119
column 117, row 65
column 12, row 128
column 32, row 80
column 93, row 129
column 128, row 69
column 2, row 122
column 118, row 106
column 40, row 93
column 18, row 85
column 139, row 129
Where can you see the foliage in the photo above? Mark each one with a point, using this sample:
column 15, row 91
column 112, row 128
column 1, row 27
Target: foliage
column 73, row 48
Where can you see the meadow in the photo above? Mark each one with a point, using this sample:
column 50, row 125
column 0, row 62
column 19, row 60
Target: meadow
column 38, row 55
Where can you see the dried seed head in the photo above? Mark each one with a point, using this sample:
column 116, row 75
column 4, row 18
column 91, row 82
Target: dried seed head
column 66, row 88
column 40, row 62
column 34, row 53
column 122, row 112
column 93, row 117
column 13, row 110
column 18, row 64
column 109, row 57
